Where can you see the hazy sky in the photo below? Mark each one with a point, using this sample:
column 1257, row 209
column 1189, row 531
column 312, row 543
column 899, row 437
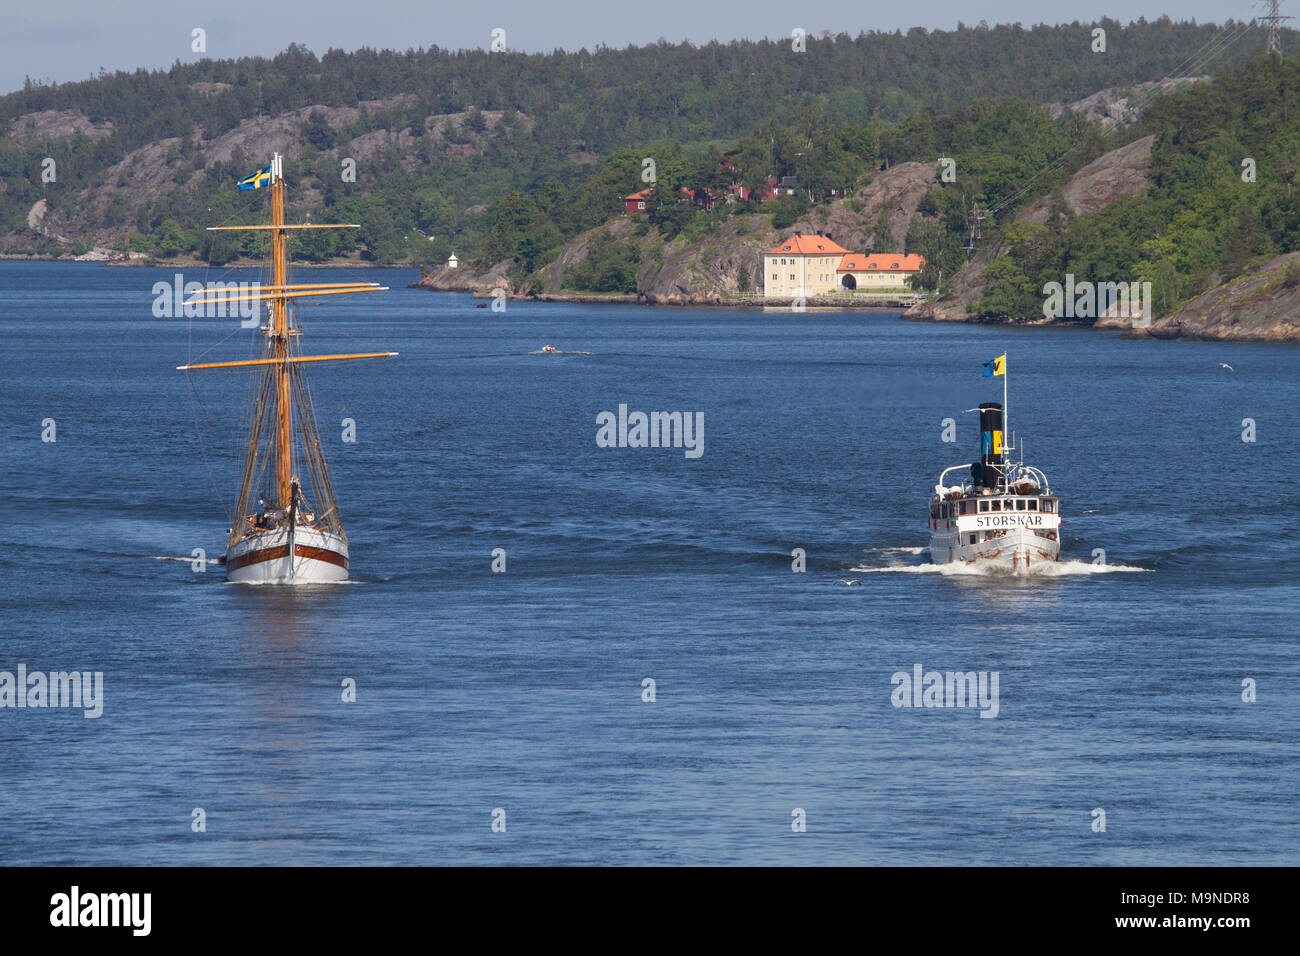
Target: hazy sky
column 71, row 39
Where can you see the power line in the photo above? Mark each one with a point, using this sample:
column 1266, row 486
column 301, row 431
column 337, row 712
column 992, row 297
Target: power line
column 1211, row 50
column 1273, row 42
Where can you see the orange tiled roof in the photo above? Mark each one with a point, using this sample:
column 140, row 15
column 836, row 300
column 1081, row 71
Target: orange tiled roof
column 643, row 194
column 882, row 261
column 809, row 246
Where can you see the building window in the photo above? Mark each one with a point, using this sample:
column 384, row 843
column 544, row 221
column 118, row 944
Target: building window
column 640, row 205
column 791, row 276
column 773, row 276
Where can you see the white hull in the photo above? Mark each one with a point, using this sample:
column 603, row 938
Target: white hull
column 315, row 557
column 1017, row 551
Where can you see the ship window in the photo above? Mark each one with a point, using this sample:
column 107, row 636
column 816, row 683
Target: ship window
column 972, row 539
column 1020, row 504
column 997, row 504
column 1033, row 504
column 1048, row 506
column 984, row 506
column 965, row 507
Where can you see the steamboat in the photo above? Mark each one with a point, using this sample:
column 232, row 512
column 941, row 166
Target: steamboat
column 995, row 513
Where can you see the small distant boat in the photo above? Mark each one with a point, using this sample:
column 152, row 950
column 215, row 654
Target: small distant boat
column 1000, row 513
column 295, row 534
column 552, row 350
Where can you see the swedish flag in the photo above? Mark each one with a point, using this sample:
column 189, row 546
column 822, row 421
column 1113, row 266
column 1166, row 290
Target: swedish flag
column 259, row 179
column 997, row 366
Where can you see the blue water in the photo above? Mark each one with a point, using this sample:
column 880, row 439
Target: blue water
column 1120, row 684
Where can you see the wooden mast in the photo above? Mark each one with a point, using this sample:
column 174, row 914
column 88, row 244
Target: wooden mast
column 278, row 360
column 280, row 341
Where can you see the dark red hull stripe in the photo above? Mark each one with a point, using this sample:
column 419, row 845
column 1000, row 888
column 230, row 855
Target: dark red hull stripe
column 300, row 550
column 321, row 554
column 257, row 557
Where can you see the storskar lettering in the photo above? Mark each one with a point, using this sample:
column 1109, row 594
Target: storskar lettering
column 103, row 909
column 656, row 430
column 1009, row 521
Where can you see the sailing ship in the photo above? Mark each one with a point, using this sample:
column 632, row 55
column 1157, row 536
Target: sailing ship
column 999, row 514
column 294, row 534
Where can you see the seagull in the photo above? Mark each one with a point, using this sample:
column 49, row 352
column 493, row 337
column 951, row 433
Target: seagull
column 849, row 583
column 1227, row 366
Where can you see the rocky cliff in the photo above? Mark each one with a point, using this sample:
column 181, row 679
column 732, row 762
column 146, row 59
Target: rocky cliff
column 1125, row 171
column 96, row 214
column 1261, row 306
column 1118, row 106
column 706, row 269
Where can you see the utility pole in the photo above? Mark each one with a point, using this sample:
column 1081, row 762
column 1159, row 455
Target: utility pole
column 975, row 217
column 1273, row 42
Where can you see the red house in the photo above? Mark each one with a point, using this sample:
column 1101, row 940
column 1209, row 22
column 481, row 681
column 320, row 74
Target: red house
column 701, row 198
column 636, row 202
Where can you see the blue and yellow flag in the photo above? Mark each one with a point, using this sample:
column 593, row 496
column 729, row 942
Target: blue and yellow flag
column 997, row 366
column 259, row 179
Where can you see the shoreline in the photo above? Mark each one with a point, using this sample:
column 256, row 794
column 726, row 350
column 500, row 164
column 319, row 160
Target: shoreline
column 149, row 263
column 741, row 304
column 826, row 304
column 705, row 301
column 812, row 303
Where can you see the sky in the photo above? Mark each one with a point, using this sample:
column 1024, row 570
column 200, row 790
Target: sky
column 68, row 40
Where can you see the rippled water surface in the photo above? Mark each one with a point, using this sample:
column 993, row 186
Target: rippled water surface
column 1120, row 683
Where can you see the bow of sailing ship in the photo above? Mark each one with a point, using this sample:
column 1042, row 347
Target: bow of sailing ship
column 286, row 527
column 999, row 513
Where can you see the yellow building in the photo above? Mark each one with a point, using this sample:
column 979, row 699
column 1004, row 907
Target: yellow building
column 802, row 265
column 814, row 265
column 878, row 270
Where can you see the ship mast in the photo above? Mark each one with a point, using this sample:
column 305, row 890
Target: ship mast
column 279, row 333
column 278, row 352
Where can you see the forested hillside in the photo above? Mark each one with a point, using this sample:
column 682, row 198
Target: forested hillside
column 506, row 156
column 1222, row 200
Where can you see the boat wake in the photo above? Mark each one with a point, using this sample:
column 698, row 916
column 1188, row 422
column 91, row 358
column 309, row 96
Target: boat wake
column 1046, row 569
column 888, row 551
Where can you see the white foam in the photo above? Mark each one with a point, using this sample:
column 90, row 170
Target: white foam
column 1045, row 569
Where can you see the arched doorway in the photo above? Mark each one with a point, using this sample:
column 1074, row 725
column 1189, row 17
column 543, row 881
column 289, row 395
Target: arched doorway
column 848, row 282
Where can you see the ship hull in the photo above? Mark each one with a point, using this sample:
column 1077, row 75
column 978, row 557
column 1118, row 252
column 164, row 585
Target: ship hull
column 313, row 557
column 1017, row 551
